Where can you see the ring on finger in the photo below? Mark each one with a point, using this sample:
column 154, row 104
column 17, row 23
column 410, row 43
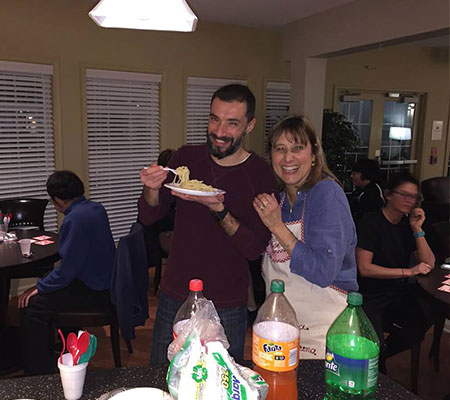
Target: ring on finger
column 265, row 202
column 262, row 207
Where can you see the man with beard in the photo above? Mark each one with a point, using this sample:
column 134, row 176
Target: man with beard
column 214, row 236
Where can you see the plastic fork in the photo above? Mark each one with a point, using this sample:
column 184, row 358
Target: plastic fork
column 170, row 169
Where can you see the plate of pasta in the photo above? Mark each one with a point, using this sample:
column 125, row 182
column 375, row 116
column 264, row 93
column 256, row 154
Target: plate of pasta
column 182, row 184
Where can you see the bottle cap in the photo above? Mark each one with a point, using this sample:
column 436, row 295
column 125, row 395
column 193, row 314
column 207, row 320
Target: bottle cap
column 195, row 285
column 354, row 298
column 277, row 286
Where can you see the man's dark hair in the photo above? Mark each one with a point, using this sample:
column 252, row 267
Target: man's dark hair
column 65, row 185
column 240, row 93
column 399, row 179
column 164, row 157
column 368, row 168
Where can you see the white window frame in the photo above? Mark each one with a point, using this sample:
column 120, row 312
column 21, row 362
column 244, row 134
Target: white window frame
column 198, row 99
column 123, row 124
column 27, row 145
column 278, row 96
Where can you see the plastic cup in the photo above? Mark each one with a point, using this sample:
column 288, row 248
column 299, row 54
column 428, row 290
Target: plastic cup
column 25, row 247
column 72, row 377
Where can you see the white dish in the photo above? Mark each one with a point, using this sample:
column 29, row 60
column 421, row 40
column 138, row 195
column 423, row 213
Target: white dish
column 175, row 188
column 144, row 393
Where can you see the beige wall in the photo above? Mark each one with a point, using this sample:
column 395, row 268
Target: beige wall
column 402, row 68
column 59, row 32
column 347, row 28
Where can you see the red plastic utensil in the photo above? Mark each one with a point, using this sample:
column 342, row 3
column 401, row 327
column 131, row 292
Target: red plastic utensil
column 83, row 344
column 72, row 345
column 64, row 346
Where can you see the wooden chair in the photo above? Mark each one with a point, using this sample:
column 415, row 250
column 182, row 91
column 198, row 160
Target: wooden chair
column 129, row 273
column 26, row 212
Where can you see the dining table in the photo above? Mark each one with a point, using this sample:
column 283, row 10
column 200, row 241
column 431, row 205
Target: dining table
column 310, row 382
column 432, row 281
column 13, row 265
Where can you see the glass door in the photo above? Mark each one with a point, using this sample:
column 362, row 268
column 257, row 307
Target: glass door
column 386, row 123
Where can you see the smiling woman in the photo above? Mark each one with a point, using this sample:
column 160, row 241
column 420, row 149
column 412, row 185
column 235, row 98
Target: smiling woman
column 313, row 236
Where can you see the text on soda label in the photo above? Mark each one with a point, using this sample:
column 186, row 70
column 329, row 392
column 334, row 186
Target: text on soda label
column 275, row 356
column 358, row 374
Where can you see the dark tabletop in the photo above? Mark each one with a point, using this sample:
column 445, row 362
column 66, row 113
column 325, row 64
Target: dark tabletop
column 310, row 383
column 13, row 265
column 431, row 282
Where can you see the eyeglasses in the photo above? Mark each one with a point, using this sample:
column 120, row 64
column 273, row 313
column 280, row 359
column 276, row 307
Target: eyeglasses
column 415, row 197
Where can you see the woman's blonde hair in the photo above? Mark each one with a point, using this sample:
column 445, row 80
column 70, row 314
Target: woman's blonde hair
column 299, row 129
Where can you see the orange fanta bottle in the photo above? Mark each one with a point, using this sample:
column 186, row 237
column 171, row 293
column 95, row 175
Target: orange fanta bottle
column 276, row 339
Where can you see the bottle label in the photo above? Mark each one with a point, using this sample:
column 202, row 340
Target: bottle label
column 350, row 373
column 275, row 356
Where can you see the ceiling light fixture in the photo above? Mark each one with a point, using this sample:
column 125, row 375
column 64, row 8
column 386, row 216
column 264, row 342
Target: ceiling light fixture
column 160, row 15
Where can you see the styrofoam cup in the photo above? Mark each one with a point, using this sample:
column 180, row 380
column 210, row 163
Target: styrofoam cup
column 25, row 246
column 72, row 377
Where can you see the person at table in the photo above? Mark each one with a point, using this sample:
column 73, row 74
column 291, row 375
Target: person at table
column 387, row 241
column 214, row 236
column 313, row 236
column 81, row 280
column 368, row 195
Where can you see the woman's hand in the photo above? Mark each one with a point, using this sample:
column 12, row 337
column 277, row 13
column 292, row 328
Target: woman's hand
column 416, row 219
column 420, row 269
column 266, row 205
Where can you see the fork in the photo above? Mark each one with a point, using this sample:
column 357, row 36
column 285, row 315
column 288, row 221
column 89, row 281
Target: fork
column 170, row 169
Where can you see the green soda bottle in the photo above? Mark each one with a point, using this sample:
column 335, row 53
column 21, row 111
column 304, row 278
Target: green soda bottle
column 351, row 360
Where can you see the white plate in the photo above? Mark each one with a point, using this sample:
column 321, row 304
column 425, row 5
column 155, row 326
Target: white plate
column 144, row 393
column 175, row 188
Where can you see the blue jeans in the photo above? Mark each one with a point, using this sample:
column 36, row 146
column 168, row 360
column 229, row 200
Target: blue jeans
column 233, row 320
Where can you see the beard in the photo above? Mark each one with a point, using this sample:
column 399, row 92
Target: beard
column 231, row 149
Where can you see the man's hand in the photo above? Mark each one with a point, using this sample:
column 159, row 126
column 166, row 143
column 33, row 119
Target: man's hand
column 214, row 203
column 26, row 296
column 416, row 219
column 153, row 176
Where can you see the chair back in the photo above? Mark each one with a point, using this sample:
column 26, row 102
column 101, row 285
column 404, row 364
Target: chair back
column 26, row 212
column 436, row 189
column 129, row 282
column 441, row 245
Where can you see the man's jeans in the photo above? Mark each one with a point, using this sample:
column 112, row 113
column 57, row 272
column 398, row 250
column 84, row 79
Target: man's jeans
column 234, row 321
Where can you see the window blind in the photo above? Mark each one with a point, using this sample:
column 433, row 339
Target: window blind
column 27, row 151
column 123, row 123
column 198, row 100
column 278, row 97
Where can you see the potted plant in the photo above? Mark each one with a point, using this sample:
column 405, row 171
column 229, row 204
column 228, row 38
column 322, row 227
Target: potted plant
column 339, row 137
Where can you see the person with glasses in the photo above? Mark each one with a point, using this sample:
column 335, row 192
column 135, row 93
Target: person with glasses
column 391, row 249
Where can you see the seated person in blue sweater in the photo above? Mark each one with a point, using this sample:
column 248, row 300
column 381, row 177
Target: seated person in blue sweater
column 313, row 236
column 82, row 279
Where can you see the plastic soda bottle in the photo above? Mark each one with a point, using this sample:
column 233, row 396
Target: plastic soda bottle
column 188, row 308
column 276, row 344
column 351, row 363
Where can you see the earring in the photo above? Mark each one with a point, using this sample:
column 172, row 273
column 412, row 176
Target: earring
column 313, row 163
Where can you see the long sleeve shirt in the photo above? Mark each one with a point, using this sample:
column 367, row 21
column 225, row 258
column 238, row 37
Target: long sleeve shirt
column 86, row 247
column 328, row 255
column 200, row 247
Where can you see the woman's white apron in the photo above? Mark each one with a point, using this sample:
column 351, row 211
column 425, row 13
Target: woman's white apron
column 316, row 307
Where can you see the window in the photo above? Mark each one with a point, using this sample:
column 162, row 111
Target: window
column 123, row 124
column 198, row 99
column 27, row 153
column 278, row 98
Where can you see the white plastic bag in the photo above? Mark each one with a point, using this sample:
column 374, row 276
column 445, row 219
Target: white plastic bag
column 208, row 372
column 205, row 324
